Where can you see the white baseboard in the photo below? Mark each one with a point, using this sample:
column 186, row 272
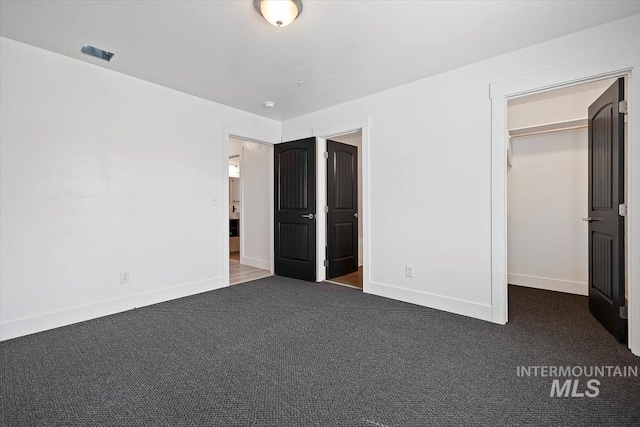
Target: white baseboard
column 42, row 322
column 254, row 262
column 567, row 286
column 439, row 302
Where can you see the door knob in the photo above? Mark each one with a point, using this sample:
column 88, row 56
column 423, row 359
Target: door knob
column 355, row 215
column 590, row 219
column 310, row 216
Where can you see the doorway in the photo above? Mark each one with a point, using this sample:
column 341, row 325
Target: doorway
column 296, row 156
column 558, row 168
column 250, row 192
column 317, row 205
column 344, row 231
column 625, row 61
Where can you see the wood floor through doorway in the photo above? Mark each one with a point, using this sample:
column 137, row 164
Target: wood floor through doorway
column 351, row 279
column 239, row 273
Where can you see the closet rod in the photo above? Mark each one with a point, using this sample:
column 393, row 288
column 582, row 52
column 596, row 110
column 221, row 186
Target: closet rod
column 541, row 132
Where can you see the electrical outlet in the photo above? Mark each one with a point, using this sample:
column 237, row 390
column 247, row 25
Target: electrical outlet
column 125, row 276
column 409, row 270
column 214, row 200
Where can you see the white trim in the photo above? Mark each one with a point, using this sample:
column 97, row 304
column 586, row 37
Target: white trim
column 242, row 132
column 367, row 266
column 633, row 209
column 340, row 128
column 439, row 302
column 548, row 284
column 56, row 319
column 343, row 284
column 610, row 65
column 255, row 262
column 321, row 202
column 249, row 134
column 615, row 64
column 224, row 203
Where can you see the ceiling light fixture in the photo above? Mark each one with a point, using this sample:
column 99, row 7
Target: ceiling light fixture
column 269, row 104
column 279, row 12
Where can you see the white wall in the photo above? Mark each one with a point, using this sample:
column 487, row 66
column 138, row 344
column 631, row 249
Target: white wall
column 235, row 148
column 355, row 139
column 430, row 170
column 256, row 183
column 547, row 199
column 555, row 106
column 103, row 173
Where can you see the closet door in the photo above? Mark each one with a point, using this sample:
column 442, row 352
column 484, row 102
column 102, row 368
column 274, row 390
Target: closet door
column 606, row 220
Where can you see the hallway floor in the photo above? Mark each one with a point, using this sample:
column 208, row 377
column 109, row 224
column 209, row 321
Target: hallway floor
column 239, row 273
column 352, row 279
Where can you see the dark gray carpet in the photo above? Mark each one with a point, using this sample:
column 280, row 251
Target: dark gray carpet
column 283, row 352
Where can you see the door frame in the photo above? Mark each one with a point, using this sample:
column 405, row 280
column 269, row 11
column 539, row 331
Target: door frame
column 252, row 135
column 322, row 133
column 358, row 171
column 625, row 62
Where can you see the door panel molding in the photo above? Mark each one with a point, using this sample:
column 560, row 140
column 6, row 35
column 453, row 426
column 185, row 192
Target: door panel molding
column 295, row 212
column 606, row 231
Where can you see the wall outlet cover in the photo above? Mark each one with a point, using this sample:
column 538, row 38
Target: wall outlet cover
column 125, row 276
column 409, row 271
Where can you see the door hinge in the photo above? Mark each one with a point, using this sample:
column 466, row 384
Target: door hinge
column 623, row 107
column 326, row 263
column 325, row 154
column 326, row 209
column 623, row 312
column 622, row 209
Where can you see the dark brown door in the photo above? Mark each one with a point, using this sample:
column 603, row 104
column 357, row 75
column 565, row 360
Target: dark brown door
column 342, row 217
column 295, row 209
column 606, row 225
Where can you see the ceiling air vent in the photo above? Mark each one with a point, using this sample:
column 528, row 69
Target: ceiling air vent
column 98, row 53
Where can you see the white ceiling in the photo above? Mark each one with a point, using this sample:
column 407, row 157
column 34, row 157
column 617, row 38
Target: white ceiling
column 226, row 52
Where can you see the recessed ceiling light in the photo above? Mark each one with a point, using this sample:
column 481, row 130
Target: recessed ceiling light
column 279, row 12
column 301, row 84
column 98, row 53
column 269, row 104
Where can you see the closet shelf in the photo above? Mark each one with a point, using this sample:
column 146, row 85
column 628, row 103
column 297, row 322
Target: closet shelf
column 561, row 126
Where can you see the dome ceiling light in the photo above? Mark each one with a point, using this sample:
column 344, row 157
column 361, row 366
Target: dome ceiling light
column 279, row 12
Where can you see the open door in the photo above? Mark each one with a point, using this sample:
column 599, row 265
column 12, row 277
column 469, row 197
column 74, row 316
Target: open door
column 606, row 220
column 295, row 209
column 342, row 215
